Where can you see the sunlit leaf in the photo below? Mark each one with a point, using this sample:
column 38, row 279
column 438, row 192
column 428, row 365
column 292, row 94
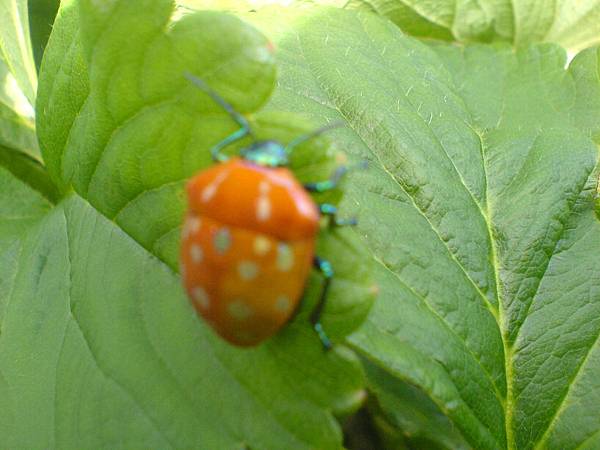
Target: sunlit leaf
column 478, row 208
column 573, row 24
column 18, row 79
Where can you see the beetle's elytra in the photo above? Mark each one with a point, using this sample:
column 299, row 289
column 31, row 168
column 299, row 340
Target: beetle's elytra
column 249, row 244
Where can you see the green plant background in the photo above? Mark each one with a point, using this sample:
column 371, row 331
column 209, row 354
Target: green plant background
column 476, row 222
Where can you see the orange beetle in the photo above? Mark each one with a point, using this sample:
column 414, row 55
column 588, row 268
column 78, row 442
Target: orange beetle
column 249, row 237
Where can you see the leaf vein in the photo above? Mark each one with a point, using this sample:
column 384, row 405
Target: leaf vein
column 445, row 323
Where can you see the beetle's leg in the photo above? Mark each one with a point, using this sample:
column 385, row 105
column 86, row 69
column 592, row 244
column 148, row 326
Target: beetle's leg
column 326, row 270
column 245, row 129
column 327, row 185
column 313, row 134
column 334, row 180
column 328, row 209
column 215, row 152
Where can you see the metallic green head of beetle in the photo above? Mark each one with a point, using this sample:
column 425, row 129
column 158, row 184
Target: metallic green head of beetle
column 268, row 153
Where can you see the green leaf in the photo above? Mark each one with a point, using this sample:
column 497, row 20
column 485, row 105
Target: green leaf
column 18, row 79
column 29, row 171
column 573, row 25
column 598, row 198
column 478, row 209
column 127, row 130
column 16, row 47
column 41, row 18
column 21, row 207
column 101, row 349
column 404, row 414
column 129, row 146
column 121, row 126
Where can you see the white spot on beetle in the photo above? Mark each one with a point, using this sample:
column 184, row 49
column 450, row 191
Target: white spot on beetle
column 209, row 191
column 306, row 209
column 262, row 245
column 201, row 297
column 247, row 270
column 222, row 240
column 192, row 225
column 196, row 253
column 264, row 187
column 239, row 310
column 285, row 257
column 263, row 209
column 283, row 303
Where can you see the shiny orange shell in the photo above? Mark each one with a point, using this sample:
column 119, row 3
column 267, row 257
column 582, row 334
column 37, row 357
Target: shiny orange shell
column 247, row 248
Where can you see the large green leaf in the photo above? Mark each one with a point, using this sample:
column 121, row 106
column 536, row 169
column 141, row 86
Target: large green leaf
column 575, row 25
column 123, row 127
column 18, row 79
column 478, row 209
column 97, row 299
column 100, row 349
column 120, row 124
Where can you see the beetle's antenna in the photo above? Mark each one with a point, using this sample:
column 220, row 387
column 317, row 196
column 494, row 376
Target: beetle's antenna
column 244, row 130
column 313, row 134
column 241, row 120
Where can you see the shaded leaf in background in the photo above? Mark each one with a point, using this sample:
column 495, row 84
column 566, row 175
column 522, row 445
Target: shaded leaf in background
column 405, row 415
column 18, row 79
column 573, row 24
column 41, row 18
column 29, row 171
column 478, row 209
